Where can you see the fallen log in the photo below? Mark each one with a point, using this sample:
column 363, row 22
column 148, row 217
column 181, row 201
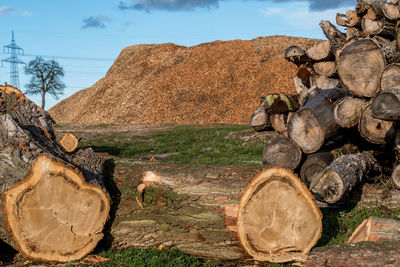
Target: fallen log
column 376, row 229
column 320, row 52
column 348, row 111
column 259, row 120
column 281, row 151
column 390, row 77
column 363, row 254
column 314, row 122
column 325, row 68
column 278, row 219
column 279, row 123
column 54, row 205
column 69, row 142
column 391, row 11
column 314, row 164
column 360, row 66
column 386, row 106
column 324, row 82
column 341, row 176
column 337, row 38
column 375, row 130
column 296, row 55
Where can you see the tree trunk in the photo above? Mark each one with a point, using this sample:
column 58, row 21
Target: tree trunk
column 374, row 130
column 325, row 68
column 360, row 66
column 320, row 52
column 390, row 77
column 43, row 99
column 314, row 164
column 341, row 176
column 386, row 106
column 281, row 151
column 348, row 111
column 296, row 55
column 365, row 254
column 69, row 142
column 278, row 219
column 53, row 204
column 259, row 120
column 376, row 229
column 313, row 123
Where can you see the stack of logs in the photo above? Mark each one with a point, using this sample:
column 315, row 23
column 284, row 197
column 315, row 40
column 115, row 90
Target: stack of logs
column 348, row 105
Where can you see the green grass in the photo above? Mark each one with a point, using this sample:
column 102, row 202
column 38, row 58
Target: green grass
column 192, row 142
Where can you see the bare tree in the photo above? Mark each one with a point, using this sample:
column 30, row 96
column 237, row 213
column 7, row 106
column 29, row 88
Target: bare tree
column 46, row 78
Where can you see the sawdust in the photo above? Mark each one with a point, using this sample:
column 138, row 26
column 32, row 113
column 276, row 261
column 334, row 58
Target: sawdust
column 218, row 82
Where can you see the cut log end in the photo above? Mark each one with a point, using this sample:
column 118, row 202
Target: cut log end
column 396, row 177
column 69, row 142
column 347, row 111
column 376, row 229
column 281, row 151
column 278, row 219
column 54, row 215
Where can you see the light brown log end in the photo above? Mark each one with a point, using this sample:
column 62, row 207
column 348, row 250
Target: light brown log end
column 69, row 142
column 376, row 229
column 54, row 215
column 278, row 219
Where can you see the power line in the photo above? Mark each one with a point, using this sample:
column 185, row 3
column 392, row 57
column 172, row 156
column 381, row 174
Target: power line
column 72, row 58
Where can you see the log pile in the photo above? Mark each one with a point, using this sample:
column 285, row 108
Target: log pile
column 53, row 204
column 343, row 130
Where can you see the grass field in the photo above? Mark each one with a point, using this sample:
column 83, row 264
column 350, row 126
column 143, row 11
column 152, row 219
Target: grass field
column 196, row 145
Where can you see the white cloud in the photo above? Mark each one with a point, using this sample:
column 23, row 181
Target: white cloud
column 4, row 10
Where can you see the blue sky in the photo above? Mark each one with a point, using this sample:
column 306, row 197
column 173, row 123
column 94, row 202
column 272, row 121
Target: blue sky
column 85, row 36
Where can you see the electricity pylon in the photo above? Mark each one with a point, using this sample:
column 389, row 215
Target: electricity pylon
column 14, row 50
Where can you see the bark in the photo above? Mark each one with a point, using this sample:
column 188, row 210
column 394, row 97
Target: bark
column 364, row 254
column 53, row 208
column 390, row 77
column 325, row 68
column 376, row 229
column 386, row 106
column 259, row 120
column 296, row 55
column 69, row 142
column 348, row 111
column 374, row 130
column 320, row 52
column 314, row 123
column 314, row 164
column 360, row 66
column 281, row 151
column 278, row 219
column 305, row 73
column 341, row 19
column 341, row 176
column 375, row 5
column 388, row 49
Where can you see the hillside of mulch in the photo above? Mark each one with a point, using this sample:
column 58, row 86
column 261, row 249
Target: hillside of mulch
column 218, row 82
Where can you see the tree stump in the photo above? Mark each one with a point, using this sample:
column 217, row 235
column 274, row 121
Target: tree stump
column 278, row 219
column 54, row 205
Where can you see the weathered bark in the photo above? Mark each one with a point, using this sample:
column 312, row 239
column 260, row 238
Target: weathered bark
column 259, row 120
column 348, row 111
column 360, row 66
column 386, row 106
column 324, row 82
column 374, row 196
column 341, row 19
column 69, row 142
column 305, row 73
column 280, row 103
column 53, row 208
column 374, row 130
column 337, row 38
column 278, row 219
column 314, row 164
column 370, row 5
column 296, row 55
column 281, row 151
column 396, row 176
column 390, row 77
column 325, row 68
column 300, row 87
column 364, row 254
column 350, row 19
column 388, row 49
column 313, row 123
column 376, row 229
column 320, row 52
column 341, row 176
